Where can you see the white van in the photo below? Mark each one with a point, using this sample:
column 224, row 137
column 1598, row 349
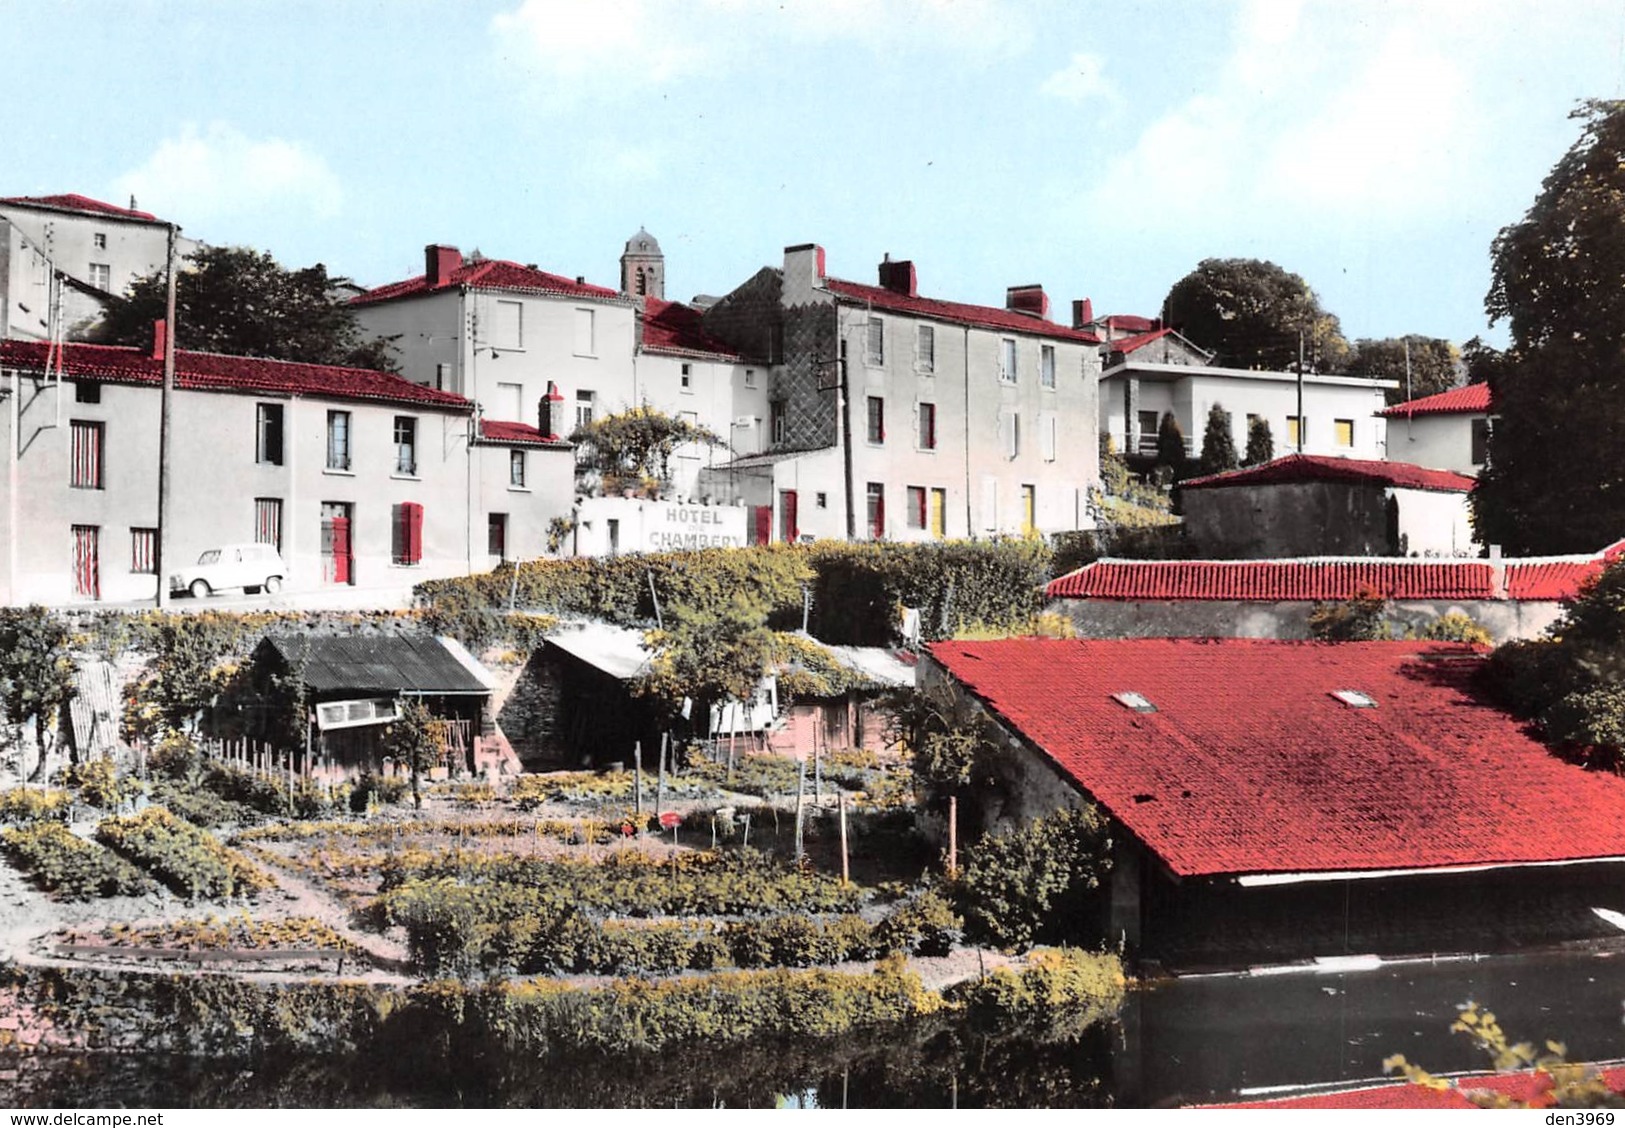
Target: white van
column 252, row 567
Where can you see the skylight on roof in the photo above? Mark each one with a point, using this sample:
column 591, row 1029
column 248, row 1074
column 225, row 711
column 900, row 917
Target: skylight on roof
column 1139, row 702
column 1355, row 699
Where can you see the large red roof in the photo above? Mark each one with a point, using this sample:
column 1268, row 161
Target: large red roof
column 1469, row 399
column 72, row 201
column 671, row 327
column 1139, row 340
column 488, row 274
column 1329, row 579
column 1318, row 468
column 1276, row 580
column 217, row 372
column 1249, row 765
column 986, row 317
column 1529, row 1087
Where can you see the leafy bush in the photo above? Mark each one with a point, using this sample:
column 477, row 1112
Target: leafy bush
column 1453, row 626
column 925, row 925
column 99, row 784
column 31, row 804
column 1031, row 883
column 180, row 855
column 1065, row 989
column 1361, row 618
column 67, row 865
column 243, row 932
column 200, row 806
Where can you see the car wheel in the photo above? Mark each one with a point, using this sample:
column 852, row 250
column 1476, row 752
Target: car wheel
column 273, row 584
column 199, row 589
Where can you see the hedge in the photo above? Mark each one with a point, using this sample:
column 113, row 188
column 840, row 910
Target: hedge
column 62, row 863
column 856, row 588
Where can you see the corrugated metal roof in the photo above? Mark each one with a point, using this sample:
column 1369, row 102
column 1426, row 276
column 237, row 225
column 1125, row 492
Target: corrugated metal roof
column 377, row 663
column 95, row 708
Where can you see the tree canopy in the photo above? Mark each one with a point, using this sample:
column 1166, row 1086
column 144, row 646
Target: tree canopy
column 635, row 446
column 1555, row 481
column 1260, row 443
column 1171, row 445
column 1250, row 313
column 36, row 671
column 1436, row 365
column 242, row 301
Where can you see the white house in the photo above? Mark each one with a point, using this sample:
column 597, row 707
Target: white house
column 1449, row 431
column 62, row 256
column 1340, row 413
column 358, row 478
column 892, row 415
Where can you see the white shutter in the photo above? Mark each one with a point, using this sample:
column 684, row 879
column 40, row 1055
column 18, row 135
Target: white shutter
column 990, row 503
column 1047, row 438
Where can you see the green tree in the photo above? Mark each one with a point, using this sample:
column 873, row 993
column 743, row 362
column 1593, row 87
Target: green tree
column 634, row 447
column 410, row 740
column 241, row 301
column 1218, row 443
column 1260, row 443
column 1573, row 682
column 1171, row 445
column 709, row 654
column 36, row 674
column 1435, row 365
column 1251, row 312
column 1031, row 884
column 1555, row 481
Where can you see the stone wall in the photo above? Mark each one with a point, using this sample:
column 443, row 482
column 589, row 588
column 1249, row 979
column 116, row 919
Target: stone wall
column 1504, row 619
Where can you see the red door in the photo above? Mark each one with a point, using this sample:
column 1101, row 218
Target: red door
column 338, row 564
column 761, row 528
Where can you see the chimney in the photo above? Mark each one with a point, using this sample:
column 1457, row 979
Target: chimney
column 439, row 262
column 803, row 272
column 899, row 277
column 1083, row 313
column 550, row 412
column 1030, row 300
column 1498, row 573
column 160, row 337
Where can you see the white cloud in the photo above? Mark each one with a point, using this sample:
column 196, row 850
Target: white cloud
column 1083, row 79
column 219, row 173
column 1318, row 114
column 625, row 45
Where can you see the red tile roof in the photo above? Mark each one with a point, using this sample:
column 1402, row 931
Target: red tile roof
column 1317, row 468
column 1528, row 1087
column 1558, row 577
column 1276, row 580
column 985, row 317
column 1249, row 765
column 74, row 202
column 1140, row 340
column 217, row 372
column 489, row 274
column 1470, row 399
column 1130, row 322
column 1334, row 578
column 517, row 434
column 671, row 327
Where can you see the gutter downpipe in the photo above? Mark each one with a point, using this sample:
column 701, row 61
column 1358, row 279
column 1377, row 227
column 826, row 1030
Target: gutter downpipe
column 970, row 528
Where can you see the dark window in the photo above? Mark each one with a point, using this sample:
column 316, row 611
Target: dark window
column 1046, row 366
column 916, row 507
column 876, row 346
column 406, row 444
column 144, row 551
column 87, row 391
column 338, row 440
column 268, row 521
column 1481, row 441
column 927, row 345
column 516, row 469
column 877, row 419
column 877, row 510
column 496, row 535
column 775, row 412
column 408, row 533
column 268, row 434
column 87, row 565
column 86, row 470
column 928, row 426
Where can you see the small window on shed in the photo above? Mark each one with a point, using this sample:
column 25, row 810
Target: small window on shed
column 1139, row 702
column 1355, row 699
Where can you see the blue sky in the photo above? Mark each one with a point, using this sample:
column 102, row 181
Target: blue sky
column 1101, row 149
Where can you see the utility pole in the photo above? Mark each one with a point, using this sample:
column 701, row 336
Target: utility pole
column 1302, row 424
column 165, row 429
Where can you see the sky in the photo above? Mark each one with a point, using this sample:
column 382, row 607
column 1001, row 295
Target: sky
column 1100, row 149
